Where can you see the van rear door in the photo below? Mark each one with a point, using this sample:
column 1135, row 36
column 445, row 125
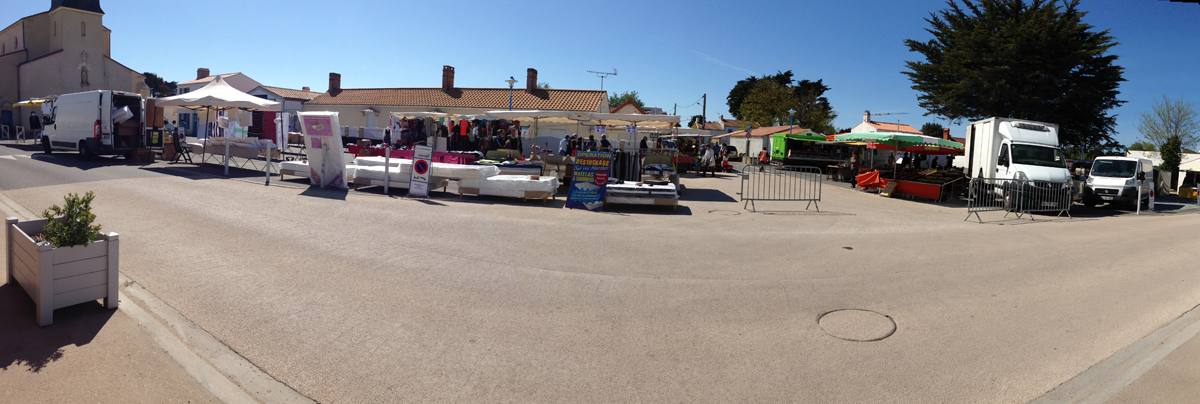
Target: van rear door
column 106, row 128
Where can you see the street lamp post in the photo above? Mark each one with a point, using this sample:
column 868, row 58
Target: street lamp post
column 510, row 82
column 791, row 119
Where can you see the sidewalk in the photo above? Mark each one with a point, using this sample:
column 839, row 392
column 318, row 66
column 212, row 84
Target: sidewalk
column 89, row 354
column 1176, row 379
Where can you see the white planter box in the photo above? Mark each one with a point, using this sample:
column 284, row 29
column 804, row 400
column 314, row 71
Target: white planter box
column 61, row 277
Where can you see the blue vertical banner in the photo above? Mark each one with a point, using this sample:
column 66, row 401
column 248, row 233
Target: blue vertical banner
column 589, row 180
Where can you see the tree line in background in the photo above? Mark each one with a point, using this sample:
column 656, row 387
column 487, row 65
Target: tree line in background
column 767, row 99
column 158, row 86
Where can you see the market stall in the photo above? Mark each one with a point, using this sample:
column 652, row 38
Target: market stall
column 932, row 183
column 220, row 96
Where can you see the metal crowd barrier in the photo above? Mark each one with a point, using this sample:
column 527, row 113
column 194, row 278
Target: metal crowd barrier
column 781, row 183
column 1018, row 196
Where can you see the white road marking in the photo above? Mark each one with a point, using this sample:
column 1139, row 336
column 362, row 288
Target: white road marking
column 8, row 157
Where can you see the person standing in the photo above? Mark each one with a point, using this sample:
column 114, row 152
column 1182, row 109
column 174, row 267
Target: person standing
column 855, row 163
column 643, row 146
column 562, row 145
column 764, row 158
column 605, row 145
column 710, row 160
column 35, row 125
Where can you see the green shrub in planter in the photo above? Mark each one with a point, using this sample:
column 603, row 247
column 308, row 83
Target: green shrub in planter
column 74, row 225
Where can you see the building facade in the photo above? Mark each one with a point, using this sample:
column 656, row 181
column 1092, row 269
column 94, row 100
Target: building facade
column 61, row 51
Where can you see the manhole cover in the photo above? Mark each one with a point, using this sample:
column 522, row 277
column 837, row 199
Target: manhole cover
column 857, row 325
column 724, row 212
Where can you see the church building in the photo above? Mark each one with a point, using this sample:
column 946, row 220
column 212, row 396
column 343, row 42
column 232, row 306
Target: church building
column 61, row 51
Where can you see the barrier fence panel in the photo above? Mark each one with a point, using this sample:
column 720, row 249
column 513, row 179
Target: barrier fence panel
column 1018, row 196
column 781, row 183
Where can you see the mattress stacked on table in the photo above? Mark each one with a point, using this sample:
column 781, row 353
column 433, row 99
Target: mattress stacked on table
column 296, row 168
column 439, row 170
column 636, row 193
column 374, row 175
column 511, row 186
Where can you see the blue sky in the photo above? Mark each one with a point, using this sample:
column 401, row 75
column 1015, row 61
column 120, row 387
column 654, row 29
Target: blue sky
column 670, row 52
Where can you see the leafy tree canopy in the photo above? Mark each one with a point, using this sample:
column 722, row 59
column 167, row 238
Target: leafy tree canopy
column 1169, row 119
column 1032, row 60
column 696, row 122
column 767, row 99
column 932, row 129
column 543, row 85
column 1142, row 146
column 617, row 100
column 158, row 87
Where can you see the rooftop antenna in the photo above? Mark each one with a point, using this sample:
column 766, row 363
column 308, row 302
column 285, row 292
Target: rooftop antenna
column 604, row 75
column 890, row 113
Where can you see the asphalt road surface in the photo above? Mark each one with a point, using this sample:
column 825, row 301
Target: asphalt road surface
column 355, row 297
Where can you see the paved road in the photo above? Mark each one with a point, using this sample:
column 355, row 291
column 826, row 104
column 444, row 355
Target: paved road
column 24, row 166
column 361, row 298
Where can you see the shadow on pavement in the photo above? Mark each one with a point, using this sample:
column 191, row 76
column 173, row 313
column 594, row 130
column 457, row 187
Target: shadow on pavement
column 207, row 171
column 25, row 344
column 626, row 210
column 73, row 160
column 705, row 195
column 27, row 146
column 327, row 193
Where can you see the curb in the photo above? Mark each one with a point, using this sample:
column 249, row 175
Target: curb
column 1106, row 379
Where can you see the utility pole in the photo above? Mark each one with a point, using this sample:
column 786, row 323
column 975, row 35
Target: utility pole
column 704, row 112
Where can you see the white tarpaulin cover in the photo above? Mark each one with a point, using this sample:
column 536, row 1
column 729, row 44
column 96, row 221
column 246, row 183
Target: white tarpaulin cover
column 541, row 116
column 654, row 121
column 218, row 95
column 513, row 186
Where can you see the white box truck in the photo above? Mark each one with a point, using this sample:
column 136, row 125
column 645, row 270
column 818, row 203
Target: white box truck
column 101, row 122
column 1115, row 180
column 1007, row 148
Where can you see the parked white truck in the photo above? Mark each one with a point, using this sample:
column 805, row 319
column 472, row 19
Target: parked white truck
column 1116, row 180
column 101, row 122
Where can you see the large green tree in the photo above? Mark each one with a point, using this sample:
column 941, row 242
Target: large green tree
column 617, row 100
column 1032, row 60
column 767, row 99
column 158, row 87
column 1142, row 146
column 932, row 129
column 696, row 122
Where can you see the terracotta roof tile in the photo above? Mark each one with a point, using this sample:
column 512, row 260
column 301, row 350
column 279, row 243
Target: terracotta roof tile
column 292, row 94
column 764, row 131
column 485, row 98
column 894, row 127
column 206, row 79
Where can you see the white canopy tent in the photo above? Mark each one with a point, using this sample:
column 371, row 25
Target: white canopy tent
column 648, row 120
column 221, row 96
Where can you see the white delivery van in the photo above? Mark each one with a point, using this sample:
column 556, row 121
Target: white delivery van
column 1115, row 180
column 1007, row 148
column 101, row 122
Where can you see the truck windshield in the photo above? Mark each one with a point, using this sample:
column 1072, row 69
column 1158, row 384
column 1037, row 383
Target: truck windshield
column 1114, row 168
column 1037, row 156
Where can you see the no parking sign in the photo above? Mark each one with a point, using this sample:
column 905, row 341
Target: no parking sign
column 418, row 184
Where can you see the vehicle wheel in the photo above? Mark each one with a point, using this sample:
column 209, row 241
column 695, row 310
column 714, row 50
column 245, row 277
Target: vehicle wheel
column 46, row 145
column 128, row 155
column 1089, row 202
column 84, row 152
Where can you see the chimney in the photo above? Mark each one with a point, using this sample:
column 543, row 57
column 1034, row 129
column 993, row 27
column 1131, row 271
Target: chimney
column 945, row 133
column 447, row 77
column 867, row 116
column 307, row 89
column 335, row 82
column 531, row 82
column 201, row 73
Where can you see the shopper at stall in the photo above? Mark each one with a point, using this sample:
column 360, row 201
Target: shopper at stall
column 563, row 145
column 590, row 145
column 643, row 145
column 604, row 143
column 855, row 163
